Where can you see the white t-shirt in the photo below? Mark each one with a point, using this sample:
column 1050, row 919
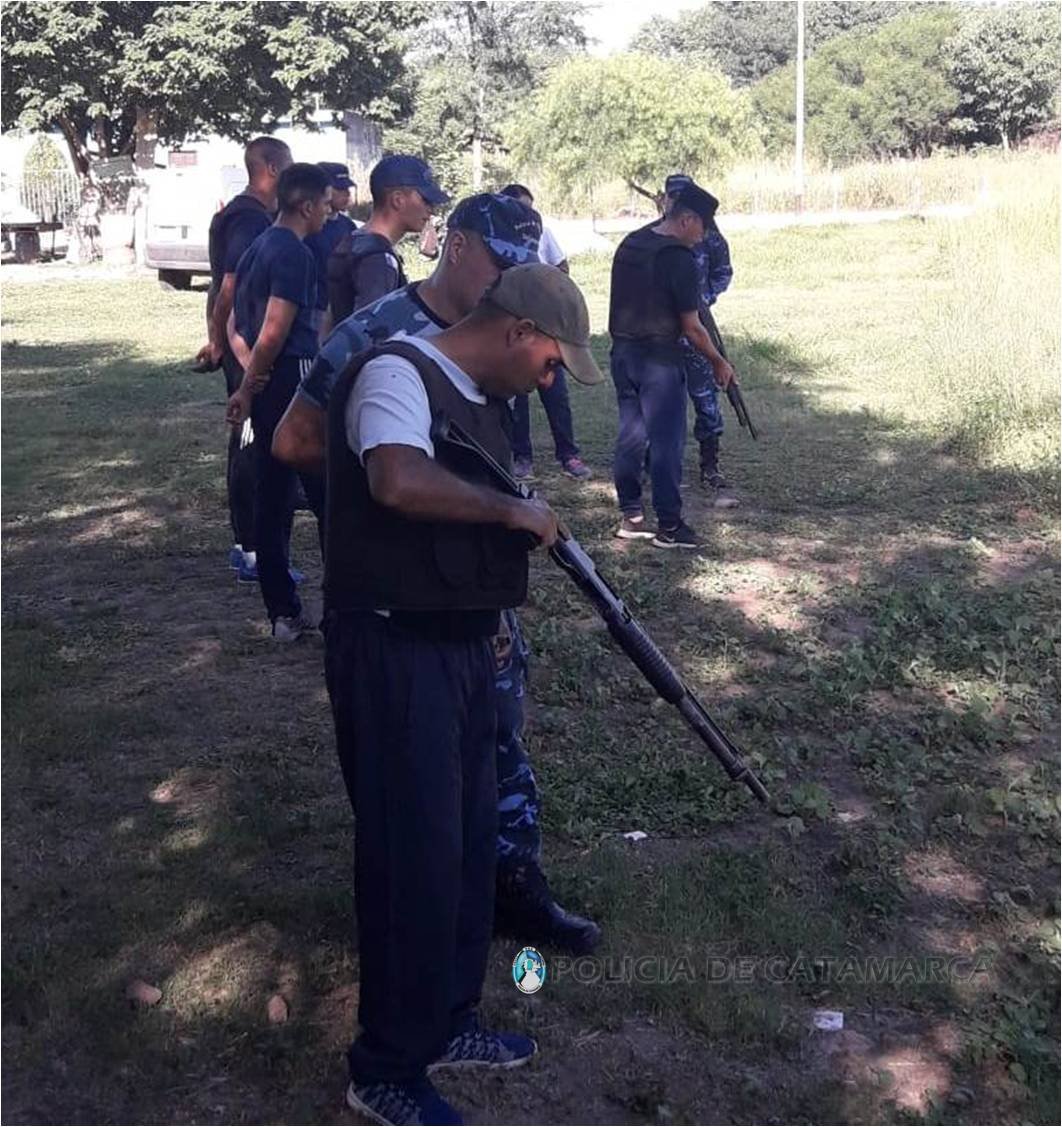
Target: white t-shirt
column 388, row 405
column 549, row 250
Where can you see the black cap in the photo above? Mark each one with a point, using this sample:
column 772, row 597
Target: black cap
column 698, row 201
column 338, row 174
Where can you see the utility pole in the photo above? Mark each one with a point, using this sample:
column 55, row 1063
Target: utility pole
column 799, row 156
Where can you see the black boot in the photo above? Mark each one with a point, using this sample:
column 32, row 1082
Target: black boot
column 711, row 475
column 525, row 909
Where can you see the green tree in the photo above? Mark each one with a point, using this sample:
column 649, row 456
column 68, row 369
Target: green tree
column 632, row 117
column 869, row 93
column 106, row 74
column 749, row 40
column 472, row 63
column 1005, row 66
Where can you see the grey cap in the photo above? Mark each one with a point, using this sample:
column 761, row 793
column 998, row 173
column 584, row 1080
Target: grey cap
column 549, row 298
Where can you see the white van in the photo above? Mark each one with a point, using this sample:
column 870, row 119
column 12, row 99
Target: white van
column 180, row 205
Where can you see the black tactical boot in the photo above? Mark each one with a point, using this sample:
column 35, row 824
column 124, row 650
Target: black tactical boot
column 711, row 475
column 525, row 909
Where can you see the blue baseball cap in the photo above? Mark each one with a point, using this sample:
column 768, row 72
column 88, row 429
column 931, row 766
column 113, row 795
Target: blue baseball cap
column 338, row 174
column 509, row 229
column 406, row 172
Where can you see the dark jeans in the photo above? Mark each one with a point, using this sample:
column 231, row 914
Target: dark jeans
column 275, row 489
column 651, row 396
column 240, row 470
column 415, row 732
column 558, row 412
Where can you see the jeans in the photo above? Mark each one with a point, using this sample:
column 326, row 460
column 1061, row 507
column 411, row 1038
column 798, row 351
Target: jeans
column 275, row 491
column 558, row 412
column 651, row 396
column 415, row 732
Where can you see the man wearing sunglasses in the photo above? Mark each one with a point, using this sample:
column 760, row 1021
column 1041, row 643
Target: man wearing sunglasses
column 486, row 235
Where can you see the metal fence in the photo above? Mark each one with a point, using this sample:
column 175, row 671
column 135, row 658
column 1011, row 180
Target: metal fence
column 54, row 199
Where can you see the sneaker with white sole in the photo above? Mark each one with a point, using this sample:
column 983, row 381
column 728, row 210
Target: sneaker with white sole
column 634, row 528
column 413, row 1104
column 681, row 536
column 291, row 628
column 483, row 1048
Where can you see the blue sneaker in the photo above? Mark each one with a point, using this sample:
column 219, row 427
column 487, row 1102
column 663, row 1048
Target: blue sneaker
column 401, row 1103
column 247, row 572
column 235, row 557
column 482, row 1048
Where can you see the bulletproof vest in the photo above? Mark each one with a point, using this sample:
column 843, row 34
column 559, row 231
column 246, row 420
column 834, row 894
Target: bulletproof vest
column 639, row 307
column 343, row 264
column 219, row 232
column 376, row 558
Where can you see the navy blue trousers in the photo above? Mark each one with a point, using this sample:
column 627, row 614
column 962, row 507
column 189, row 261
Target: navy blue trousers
column 275, row 488
column 651, row 397
column 415, row 731
column 558, row 412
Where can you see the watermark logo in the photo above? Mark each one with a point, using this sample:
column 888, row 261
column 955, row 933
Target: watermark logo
column 529, row 971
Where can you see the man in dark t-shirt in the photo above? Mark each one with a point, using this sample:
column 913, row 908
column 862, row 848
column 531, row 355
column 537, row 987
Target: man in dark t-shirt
column 653, row 303
column 232, row 230
column 364, row 266
column 273, row 331
column 337, row 227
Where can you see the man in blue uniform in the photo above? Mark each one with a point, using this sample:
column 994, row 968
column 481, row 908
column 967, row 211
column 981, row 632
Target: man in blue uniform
column 273, row 327
column 363, row 266
column 715, row 273
column 337, row 226
column 653, row 304
column 232, row 230
column 485, row 235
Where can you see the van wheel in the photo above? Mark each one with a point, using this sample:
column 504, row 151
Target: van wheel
column 175, row 279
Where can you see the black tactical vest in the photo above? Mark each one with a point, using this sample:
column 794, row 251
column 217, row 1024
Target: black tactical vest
column 342, row 270
column 639, row 308
column 376, row 558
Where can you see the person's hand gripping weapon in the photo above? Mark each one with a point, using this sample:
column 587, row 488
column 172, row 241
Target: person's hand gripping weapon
column 569, row 555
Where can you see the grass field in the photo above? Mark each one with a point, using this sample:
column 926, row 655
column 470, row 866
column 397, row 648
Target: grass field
column 876, row 627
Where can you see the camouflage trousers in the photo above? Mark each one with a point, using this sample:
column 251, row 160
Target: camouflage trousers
column 704, row 395
column 519, row 837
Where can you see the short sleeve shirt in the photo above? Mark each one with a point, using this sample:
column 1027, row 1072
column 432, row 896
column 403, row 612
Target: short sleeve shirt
column 278, row 264
column 400, row 313
column 676, row 274
column 549, row 250
column 388, row 405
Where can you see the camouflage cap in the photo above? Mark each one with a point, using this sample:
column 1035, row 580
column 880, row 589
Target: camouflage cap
column 509, row 229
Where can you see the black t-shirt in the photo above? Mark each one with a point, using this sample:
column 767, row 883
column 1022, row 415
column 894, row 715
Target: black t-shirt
column 676, row 274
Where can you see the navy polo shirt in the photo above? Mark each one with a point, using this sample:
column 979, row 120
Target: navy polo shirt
column 278, row 264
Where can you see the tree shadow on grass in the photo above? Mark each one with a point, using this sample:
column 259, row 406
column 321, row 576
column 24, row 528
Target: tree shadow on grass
column 869, row 628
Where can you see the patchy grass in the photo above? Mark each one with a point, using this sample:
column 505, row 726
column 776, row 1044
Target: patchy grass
column 876, row 627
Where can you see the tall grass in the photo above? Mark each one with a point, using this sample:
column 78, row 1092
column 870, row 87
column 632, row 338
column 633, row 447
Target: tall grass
column 768, row 186
column 992, row 337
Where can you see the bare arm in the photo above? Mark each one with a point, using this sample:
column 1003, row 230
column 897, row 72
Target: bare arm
column 279, row 317
column 697, row 335
column 299, row 439
column 407, row 480
column 216, row 322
